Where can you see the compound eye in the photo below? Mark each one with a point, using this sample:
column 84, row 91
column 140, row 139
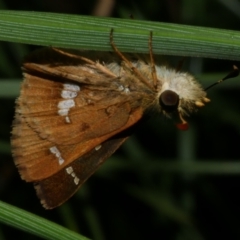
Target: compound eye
column 169, row 101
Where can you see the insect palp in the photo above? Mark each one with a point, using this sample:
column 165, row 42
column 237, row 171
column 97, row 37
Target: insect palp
column 199, row 104
column 184, row 124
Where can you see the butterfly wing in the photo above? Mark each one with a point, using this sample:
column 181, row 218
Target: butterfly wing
column 68, row 106
column 58, row 188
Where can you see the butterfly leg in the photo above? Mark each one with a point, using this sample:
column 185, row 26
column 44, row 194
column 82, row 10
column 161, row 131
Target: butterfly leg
column 129, row 64
column 100, row 66
column 154, row 74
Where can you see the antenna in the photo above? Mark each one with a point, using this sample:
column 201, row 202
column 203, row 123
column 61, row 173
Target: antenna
column 232, row 74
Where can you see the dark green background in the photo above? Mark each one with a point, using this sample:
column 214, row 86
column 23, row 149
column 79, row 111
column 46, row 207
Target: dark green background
column 162, row 183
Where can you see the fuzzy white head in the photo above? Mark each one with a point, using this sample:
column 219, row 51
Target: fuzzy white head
column 190, row 93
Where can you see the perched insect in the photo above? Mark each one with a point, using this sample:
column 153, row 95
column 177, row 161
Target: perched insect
column 76, row 108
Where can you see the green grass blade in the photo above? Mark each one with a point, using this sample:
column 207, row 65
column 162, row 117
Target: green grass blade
column 84, row 32
column 38, row 226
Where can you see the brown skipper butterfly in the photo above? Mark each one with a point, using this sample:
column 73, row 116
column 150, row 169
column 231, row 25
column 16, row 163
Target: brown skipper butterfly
column 76, row 108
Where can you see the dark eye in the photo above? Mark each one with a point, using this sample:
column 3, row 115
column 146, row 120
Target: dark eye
column 169, row 101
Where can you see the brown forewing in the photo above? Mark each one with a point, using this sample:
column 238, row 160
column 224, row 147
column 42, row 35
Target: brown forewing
column 100, row 112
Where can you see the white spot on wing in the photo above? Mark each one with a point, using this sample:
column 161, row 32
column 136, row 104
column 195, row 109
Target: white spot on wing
column 63, row 112
column 66, row 104
column 126, row 90
column 67, row 119
column 71, row 86
column 69, row 92
column 76, row 180
column 71, row 172
column 121, row 88
column 98, row 147
column 54, row 150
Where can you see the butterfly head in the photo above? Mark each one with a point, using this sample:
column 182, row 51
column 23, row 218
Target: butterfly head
column 180, row 93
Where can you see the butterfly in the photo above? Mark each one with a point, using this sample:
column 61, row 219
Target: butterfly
column 77, row 107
